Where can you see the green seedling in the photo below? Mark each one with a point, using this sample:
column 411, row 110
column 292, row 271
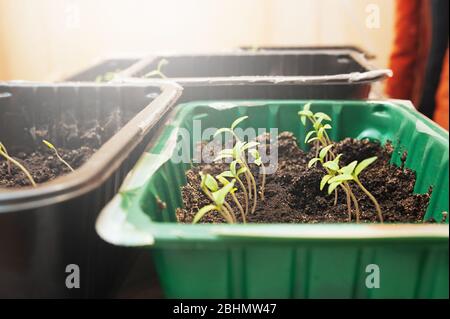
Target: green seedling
column 351, row 172
column 158, row 71
column 318, row 135
column 238, row 156
column 258, row 162
column 335, row 176
column 53, row 148
column 236, row 173
column 332, row 168
column 238, row 153
column 10, row 159
column 224, row 181
column 108, row 76
column 218, row 196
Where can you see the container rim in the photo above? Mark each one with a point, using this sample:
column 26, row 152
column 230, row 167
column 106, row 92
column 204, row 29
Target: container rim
column 96, row 62
column 103, row 162
column 266, row 47
column 113, row 226
column 370, row 75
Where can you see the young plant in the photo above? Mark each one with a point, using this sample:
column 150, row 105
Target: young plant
column 335, row 176
column 351, row 173
column 108, row 76
column 238, row 153
column 224, row 181
column 53, row 148
column 332, row 168
column 4, row 153
column 258, row 162
column 236, row 173
column 157, row 72
column 318, row 134
column 217, row 195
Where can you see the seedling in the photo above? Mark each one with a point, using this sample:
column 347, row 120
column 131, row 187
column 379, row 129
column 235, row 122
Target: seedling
column 238, row 154
column 224, row 181
column 332, row 168
column 351, row 172
column 157, row 72
column 335, row 176
column 217, row 195
column 235, row 173
column 318, row 134
column 53, row 148
column 258, row 161
column 108, row 76
column 10, row 159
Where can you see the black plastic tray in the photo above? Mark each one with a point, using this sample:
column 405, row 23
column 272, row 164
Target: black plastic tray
column 44, row 229
column 303, row 74
column 91, row 73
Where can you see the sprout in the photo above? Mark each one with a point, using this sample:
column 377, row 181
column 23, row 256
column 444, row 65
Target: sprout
column 318, row 134
column 222, row 179
column 236, row 173
column 50, row 146
column 258, row 161
column 5, row 154
column 158, row 71
column 238, row 154
column 351, row 172
column 217, row 195
column 108, row 76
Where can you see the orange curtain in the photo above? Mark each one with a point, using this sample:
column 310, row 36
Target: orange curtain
column 441, row 112
column 411, row 44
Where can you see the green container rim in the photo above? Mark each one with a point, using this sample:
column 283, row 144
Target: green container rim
column 114, row 227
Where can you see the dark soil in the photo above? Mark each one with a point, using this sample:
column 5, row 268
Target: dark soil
column 76, row 143
column 43, row 165
column 293, row 193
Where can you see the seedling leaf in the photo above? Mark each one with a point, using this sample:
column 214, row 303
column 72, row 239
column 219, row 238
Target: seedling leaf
column 348, row 170
column 332, row 187
column 227, row 174
column 322, row 116
column 324, row 151
column 331, row 165
column 303, row 119
column 222, row 179
column 219, row 195
column 222, row 130
column 233, row 167
column 324, row 181
column 238, row 121
column 211, row 183
column 310, row 133
column 249, row 145
column 363, row 165
column 202, row 212
column 241, row 171
column 306, row 113
column 48, row 144
column 313, row 161
column 340, row 178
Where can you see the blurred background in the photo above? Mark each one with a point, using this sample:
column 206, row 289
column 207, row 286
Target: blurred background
column 51, row 39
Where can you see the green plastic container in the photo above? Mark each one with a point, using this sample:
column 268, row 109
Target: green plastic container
column 286, row 260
